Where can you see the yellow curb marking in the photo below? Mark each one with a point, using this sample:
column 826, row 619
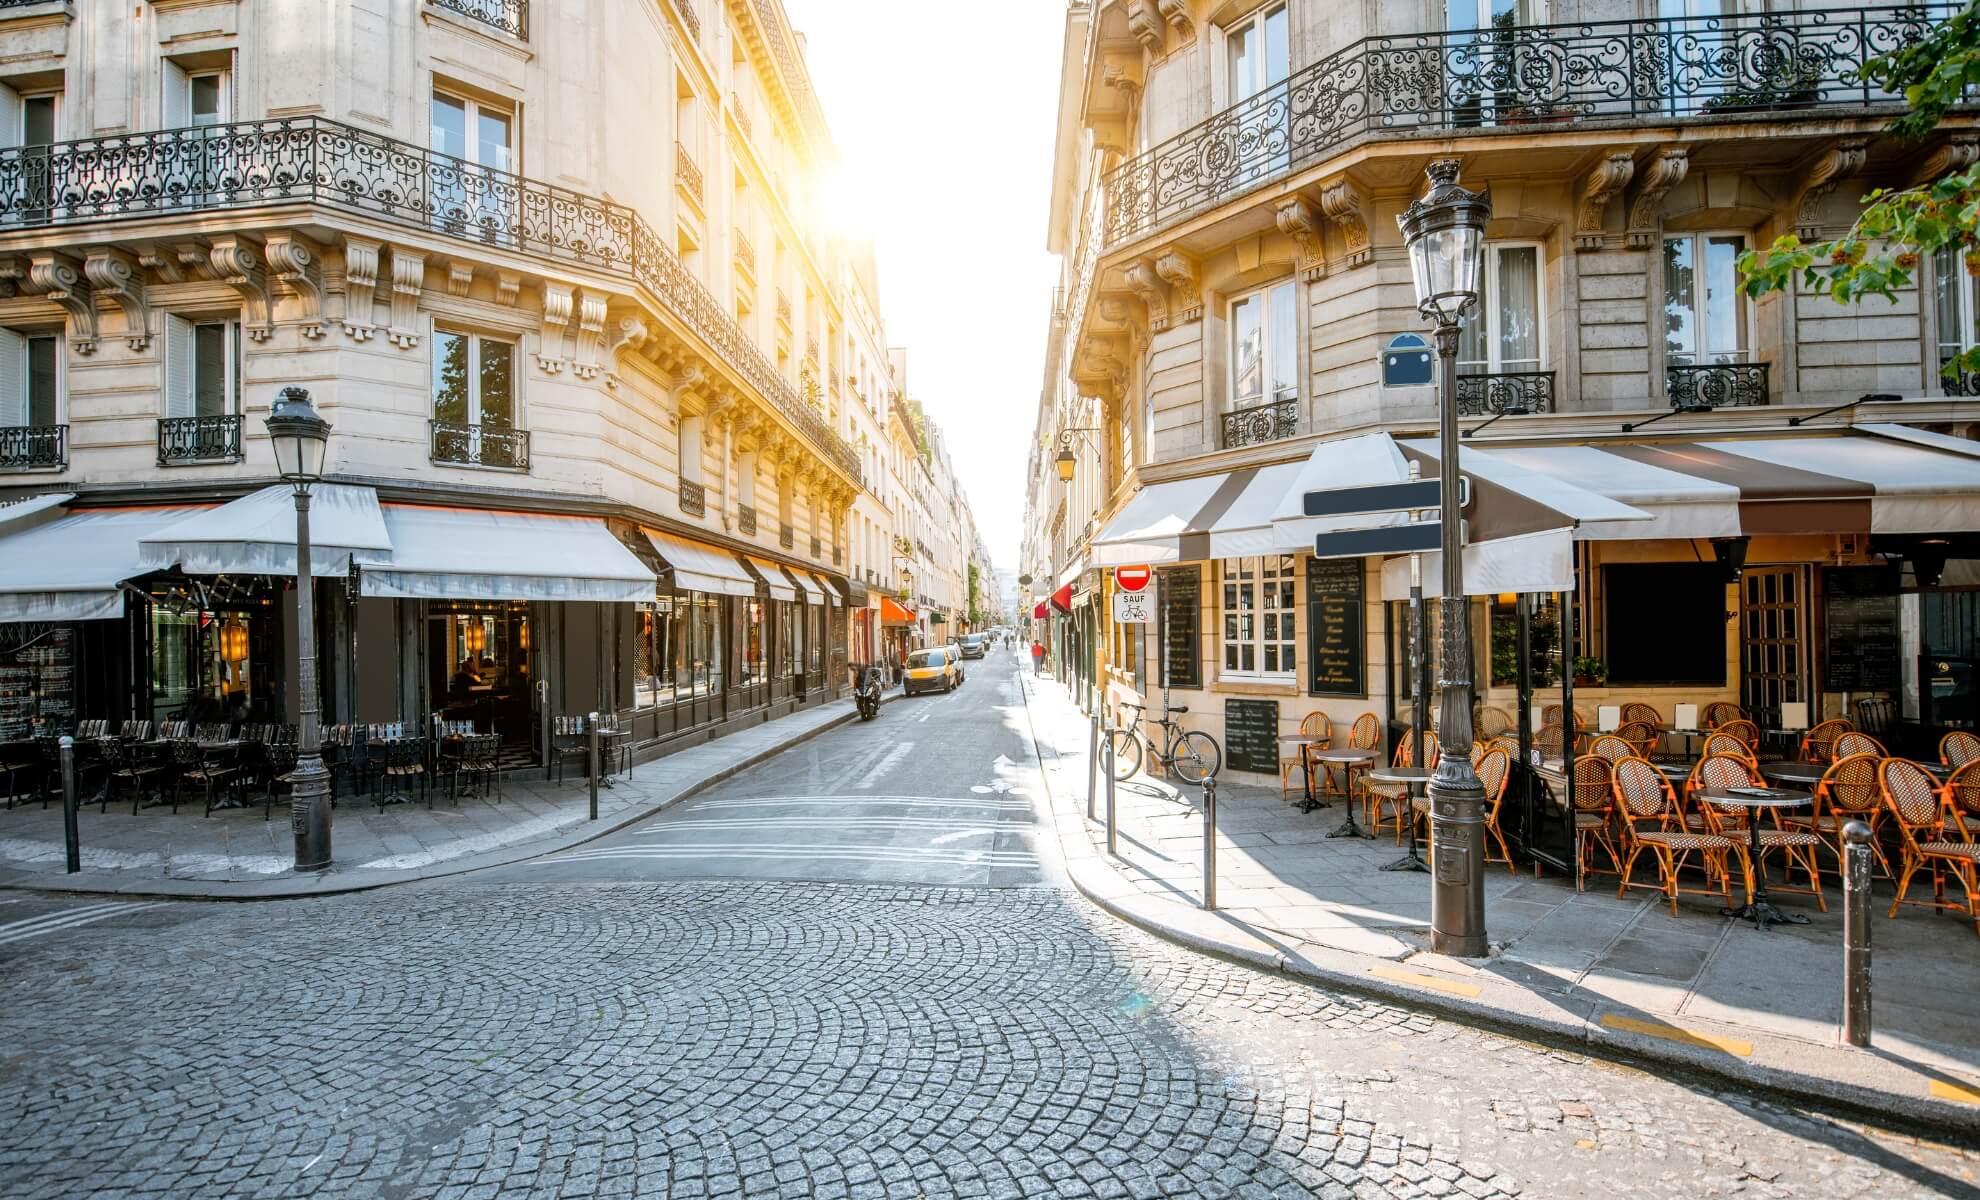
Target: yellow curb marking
column 1672, row 1033
column 1953, row 1091
column 1433, row 982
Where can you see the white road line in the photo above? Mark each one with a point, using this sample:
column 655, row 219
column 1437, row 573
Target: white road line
column 856, row 802
column 959, row 859
column 22, row 930
column 893, row 759
column 941, row 824
column 44, row 918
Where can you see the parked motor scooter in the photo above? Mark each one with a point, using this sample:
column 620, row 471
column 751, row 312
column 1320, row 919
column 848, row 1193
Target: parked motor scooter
column 866, row 692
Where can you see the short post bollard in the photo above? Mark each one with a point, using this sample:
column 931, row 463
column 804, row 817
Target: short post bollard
column 1112, row 824
column 591, row 757
column 1209, row 843
column 1093, row 768
column 71, row 836
column 1856, row 934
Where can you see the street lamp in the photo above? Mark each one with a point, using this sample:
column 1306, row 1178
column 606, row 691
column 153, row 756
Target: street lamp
column 301, row 438
column 1445, row 232
column 1064, row 460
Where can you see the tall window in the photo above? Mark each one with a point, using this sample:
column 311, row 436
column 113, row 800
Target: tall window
column 1264, row 347
column 1258, row 54
column 1705, row 316
column 1488, row 14
column 1258, row 617
column 1502, row 332
column 29, row 379
column 202, row 368
column 195, row 98
column 1953, row 300
column 474, row 380
column 466, row 199
column 691, row 449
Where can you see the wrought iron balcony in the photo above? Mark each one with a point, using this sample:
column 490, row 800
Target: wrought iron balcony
column 34, row 447
column 1716, row 385
column 1268, row 422
column 1960, row 383
column 689, row 15
column 687, row 175
column 480, row 446
column 838, row 556
column 311, row 160
column 509, row 16
column 746, row 520
column 1429, row 84
column 694, row 499
column 183, row 440
column 786, row 536
column 817, row 547
column 1489, row 395
column 745, row 254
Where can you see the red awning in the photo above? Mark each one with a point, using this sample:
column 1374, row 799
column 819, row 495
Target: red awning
column 1038, row 611
column 1062, row 599
column 892, row 612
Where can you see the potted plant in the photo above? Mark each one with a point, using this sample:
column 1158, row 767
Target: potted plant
column 1590, row 672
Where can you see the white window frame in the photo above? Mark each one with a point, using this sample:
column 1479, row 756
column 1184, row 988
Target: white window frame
column 470, row 144
column 1700, row 315
column 1488, row 308
column 16, row 374
column 475, row 338
column 1258, row 575
column 1525, row 12
column 176, row 95
column 180, row 394
column 1964, row 335
column 692, row 450
column 1232, row 401
column 1228, row 88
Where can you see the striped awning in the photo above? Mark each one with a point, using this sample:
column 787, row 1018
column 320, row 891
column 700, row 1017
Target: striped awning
column 1193, row 520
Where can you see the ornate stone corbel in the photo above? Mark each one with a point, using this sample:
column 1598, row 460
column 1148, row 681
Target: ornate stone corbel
column 237, row 262
column 1123, row 310
column 298, row 267
column 1604, row 183
column 557, row 301
column 1646, row 218
column 1185, row 290
column 1099, row 367
column 161, row 260
column 1298, row 221
column 58, row 278
column 508, row 287
column 117, row 275
column 1961, row 152
column 192, row 255
column 13, row 275
column 460, row 277
column 590, row 336
column 1177, row 14
column 360, row 287
column 686, row 384
column 408, row 281
column 1154, row 293
column 1838, row 162
column 1145, row 23
column 1347, row 206
column 630, row 334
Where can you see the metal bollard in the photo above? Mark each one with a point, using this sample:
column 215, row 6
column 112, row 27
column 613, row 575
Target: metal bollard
column 71, row 836
column 1856, row 934
column 591, row 756
column 1112, row 822
column 1209, row 843
column 1093, row 767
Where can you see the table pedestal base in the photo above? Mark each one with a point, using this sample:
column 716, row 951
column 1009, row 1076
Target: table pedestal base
column 1408, row 862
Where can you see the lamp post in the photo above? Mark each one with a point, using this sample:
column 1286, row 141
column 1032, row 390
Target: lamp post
column 1445, row 231
column 301, row 438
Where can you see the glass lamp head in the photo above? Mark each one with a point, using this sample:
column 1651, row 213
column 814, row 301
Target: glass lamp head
column 300, row 436
column 1445, row 232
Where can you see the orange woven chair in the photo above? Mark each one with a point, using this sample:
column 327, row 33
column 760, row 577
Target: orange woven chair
column 1819, row 744
column 1378, row 797
column 1364, row 734
column 1492, row 722
column 1508, row 743
column 1728, row 820
column 1963, row 793
column 1725, row 744
column 1849, row 791
column 1550, row 739
column 1594, row 806
column 1314, row 724
column 1646, row 713
column 1931, row 833
column 1494, row 769
column 1612, row 748
column 1642, row 735
column 1857, row 743
column 1651, row 821
column 1719, row 712
column 1743, row 729
column 1958, row 748
column 1551, row 715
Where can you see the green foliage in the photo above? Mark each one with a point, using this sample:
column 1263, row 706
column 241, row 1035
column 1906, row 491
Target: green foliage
column 975, row 597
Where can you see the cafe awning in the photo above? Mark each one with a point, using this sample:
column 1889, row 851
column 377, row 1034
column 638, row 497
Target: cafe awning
column 1062, row 599
column 68, row 566
column 256, row 534
column 699, row 568
column 893, row 612
column 441, row 553
column 814, row 591
column 772, row 578
column 1229, row 515
column 1038, row 611
column 852, row 591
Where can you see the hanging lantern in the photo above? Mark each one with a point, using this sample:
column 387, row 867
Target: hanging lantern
column 477, row 635
column 234, row 641
column 522, row 634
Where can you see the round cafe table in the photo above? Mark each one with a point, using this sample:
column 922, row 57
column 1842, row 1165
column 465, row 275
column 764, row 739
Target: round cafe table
column 1762, row 913
column 1309, row 744
column 1415, row 777
column 1805, row 773
column 1346, row 757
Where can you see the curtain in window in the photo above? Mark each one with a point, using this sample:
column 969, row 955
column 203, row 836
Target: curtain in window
column 1518, row 307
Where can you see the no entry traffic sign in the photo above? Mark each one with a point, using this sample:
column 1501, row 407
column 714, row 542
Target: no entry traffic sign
column 1131, row 579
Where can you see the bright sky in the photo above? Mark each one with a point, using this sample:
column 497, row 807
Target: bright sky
column 947, row 110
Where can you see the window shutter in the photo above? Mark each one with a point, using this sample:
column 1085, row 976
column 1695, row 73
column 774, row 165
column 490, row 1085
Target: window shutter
column 13, row 378
column 178, row 367
column 178, row 97
column 12, row 130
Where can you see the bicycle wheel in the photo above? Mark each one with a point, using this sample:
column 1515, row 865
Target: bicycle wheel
column 1127, row 753
column 1195, row 757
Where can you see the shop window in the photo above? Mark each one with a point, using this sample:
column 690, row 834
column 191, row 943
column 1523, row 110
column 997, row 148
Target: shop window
column 30, row 379
column 751, row 665
column 202, row 368
column 1543, row 641
column 1706, row 317
column 677, row 649
column 1258, row 603
column 790, row 633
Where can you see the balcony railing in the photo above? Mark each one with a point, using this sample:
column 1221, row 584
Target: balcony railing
column 310, row 160
column 786, row 536
column 1716, row 385
column 746, row 520
column 1268, row 422
column 509, row 16
column 687, row 175
column 34, row 447
column 694, row 499
column 745, row 254
column 1960, row 383
column 209, row 439
column 480, row 446
column 1430, row 84
column 817, row 547
column 690, row 16
column 1489, row 395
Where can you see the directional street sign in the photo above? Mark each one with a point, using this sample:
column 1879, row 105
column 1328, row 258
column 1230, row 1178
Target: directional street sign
column 1382, row 498
column 1131, row 579
column 1390, row 539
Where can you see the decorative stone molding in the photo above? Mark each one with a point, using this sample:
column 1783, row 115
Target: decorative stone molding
column 1603, row 184
column 1961, row 152
column 460, row 277
column 298, row 267
column 1177, row 13
column 1346, row 205
column 1145, row 23
column 176, row 262
column 591, row 335
column 408, row 281
column 118, row 275
column 1646, row 218
column 630, row 334
column 1154, row 293
column 1298, row 221
column 508, row 287
column 687, row 384
column 1837, row 162
column 360, row 287
column 237, row 262
column 557, row 303
column 58, row 278
column 1100, row 366
column 1185, row 289
column 1123, row 310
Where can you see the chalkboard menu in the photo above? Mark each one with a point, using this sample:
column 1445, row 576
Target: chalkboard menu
column 1860, row 629
column 1182, row 618
column 1251, row 735
column 37, row 679
column 1334, row 643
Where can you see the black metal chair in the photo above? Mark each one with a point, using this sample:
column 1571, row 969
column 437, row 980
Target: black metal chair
column 131, row 765
column 569, row 743
column 404, row 760
column 483, row 762
column 17, row 770
column 281, row 765
column 1875, row 715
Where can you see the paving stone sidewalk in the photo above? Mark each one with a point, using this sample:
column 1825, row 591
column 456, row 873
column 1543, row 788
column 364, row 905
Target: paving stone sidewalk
column 1696, row 987
column 237, row 854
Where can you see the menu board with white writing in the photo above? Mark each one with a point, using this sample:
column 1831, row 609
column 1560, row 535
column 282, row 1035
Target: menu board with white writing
column 1335, row 646
column 37, row 679
column 1251, row 735
column 1182, row 593
column 1860, row 629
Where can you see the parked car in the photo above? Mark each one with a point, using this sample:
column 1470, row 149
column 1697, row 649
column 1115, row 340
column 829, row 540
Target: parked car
column 974, row 644
column 936, row 669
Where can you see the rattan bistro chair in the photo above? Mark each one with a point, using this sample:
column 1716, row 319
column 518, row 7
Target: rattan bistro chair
column 1797, row 845
column 1743, row 729
column 1931, row 834
column 1849, row 791
column 1719, row 712
column 1819, row 744
column 1958, row 748
column 1612, row 749
column 1646, row 713
column 1314, row 724
column 1651, row 821
column 1494, row 769
column 1379, row 797
column 1492, row 723
column 1641, row 735
column 1726, row 746
column 1857, row 743
column 1594, row 806
column 1364, row 734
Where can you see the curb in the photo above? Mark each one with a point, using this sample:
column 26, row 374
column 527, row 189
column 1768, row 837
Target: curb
column 1578, row 1023
column 292, row 887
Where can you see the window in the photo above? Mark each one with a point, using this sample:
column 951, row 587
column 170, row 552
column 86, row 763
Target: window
column 1258, row 617
column 467, row 201
column 1953, row 300
column 746, row 479
column 482, row 134
column 1257, row 52
column 474, row 380
column 1705, row 317
column 1488, row 14
column 1502, row 332
column 751, row 667
column 195, row 99
column 677, row 654
column 29, row 379
column 1264, row 347
column 202, row 368
column 28, row 121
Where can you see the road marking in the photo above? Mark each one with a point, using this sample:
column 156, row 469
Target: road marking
column 1674, row 1033
column 1955, row 1092
column 893, row 759
column 960, row 834
column 861, row 802
column 19, row 931
column 939, row 824
column 1435, row 983
column 902, row 855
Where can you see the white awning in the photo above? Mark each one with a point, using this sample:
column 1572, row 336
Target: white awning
column 814, row 591
column 1070, row 576
column 1361, row 461
column 256, row 534
column 1530, row 562
column 699, row 568
column 45, row 507
column 780, row 587
column 1148, row 527
column 69, row 568
column 481, row 554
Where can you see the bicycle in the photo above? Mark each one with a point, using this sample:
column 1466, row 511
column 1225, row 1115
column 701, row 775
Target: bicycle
column 1190, row 755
